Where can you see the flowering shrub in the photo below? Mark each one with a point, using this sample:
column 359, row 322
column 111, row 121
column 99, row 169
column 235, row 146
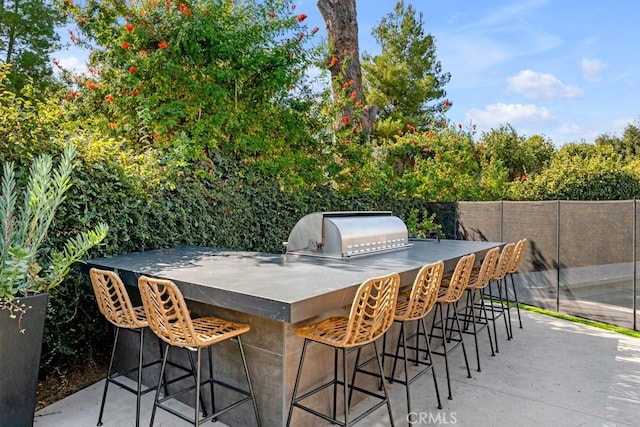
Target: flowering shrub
column 443, row 163
column 199, row 78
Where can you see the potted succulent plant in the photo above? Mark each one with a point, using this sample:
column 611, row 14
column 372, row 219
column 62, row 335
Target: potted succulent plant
column 28, row 270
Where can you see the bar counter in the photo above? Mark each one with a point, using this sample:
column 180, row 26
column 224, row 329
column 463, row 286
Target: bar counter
column 275, row 294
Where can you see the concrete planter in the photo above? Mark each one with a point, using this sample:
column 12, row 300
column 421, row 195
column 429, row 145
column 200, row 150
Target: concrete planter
column 20, row 361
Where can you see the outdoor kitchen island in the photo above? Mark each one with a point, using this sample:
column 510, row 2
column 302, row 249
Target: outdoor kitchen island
column 275, row 294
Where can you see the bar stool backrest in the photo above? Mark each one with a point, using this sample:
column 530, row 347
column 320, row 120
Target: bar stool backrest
column 516, row 259
column 424, row 292
column 113, row 300
column 460, row 279
column 167, row 312
column 372, row 310
column 504, row 261
column 480, row 278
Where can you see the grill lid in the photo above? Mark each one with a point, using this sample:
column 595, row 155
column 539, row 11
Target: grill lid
column 347, row 234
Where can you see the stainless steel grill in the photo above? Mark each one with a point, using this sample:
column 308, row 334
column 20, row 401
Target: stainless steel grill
column 347, row 234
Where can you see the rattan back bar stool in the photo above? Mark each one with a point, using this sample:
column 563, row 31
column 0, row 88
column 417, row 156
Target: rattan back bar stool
column 451, row 290
column 414, row 306
column 514, row 265
column 169, row 318
column 479, row 280
column 500, row 305
column 371, row 315
column 115, row 305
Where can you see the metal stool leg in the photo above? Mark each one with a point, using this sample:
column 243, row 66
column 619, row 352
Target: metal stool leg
column 384, row 386
column 157, row 397
column 140, row 365
column 515, row 299
column 433, row 372
column 297, row 383
column 246, row 371
column 106, row 381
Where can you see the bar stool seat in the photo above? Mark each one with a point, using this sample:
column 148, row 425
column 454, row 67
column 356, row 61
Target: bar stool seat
column 115, row 305
column 370, row 317
column 170, row 320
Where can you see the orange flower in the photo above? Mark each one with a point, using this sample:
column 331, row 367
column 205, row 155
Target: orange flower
column 125, row 45
column 113, row 125
column 143, row 52
column 411, row 127
column 90, row 84
column 82, row 21
column 353, row 95
column 438, row 155
column 132, row 69
column 301, row 17
column 163, row 44
column 400, row 132
column 129, row 27
column 333, row 61
column 108, row 98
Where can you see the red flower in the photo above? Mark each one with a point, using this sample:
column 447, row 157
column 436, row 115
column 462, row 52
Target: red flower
column 411, row 127
column 132, row 69
column 272, row 15
column 446, row 103
column 135, row 92
column 184, row 9
column 400, row 132
column 460, row 125
column 315, row 30
column 333, row 61
column 90, row 84
column 346, row 120
column 73, row 94
column 108, row 98
column 301, row 17
column 125, row 45
column 353, row 95
column 82, row 21
column 129, row 27
column 163, row 44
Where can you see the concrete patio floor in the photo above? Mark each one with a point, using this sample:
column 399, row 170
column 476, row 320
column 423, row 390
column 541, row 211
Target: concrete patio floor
column 552, row 373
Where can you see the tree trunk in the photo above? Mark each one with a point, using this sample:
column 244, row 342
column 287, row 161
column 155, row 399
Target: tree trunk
column 342, row 30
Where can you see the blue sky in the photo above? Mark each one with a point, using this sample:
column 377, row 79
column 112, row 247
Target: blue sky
column 566, row 69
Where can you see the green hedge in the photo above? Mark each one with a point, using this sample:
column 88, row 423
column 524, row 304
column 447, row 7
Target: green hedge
column 151, row 205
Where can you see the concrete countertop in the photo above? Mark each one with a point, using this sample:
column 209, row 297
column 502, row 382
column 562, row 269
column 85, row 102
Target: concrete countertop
column 284, row 287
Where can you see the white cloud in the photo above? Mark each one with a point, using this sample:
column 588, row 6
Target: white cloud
column 498, row 114
column 592, row 69
column 72, row 64
column 534, row 85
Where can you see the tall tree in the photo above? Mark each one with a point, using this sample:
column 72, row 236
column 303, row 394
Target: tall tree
column 342, row 29
column 405, row 79
column 27, row 37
